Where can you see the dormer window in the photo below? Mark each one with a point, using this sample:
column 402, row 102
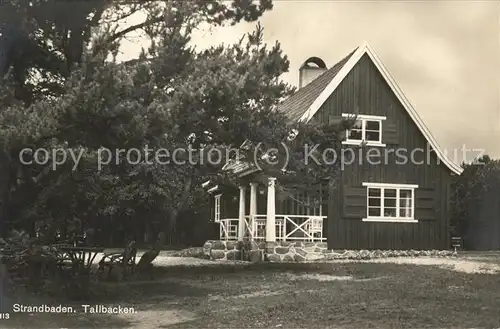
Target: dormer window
column 367, row 128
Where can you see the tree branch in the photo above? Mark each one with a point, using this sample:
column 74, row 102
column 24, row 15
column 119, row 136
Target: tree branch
column 129, row 29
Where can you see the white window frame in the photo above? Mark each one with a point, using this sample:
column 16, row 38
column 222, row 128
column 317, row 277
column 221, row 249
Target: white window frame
column 365, row 118
column 398, row 187
column 217, row 208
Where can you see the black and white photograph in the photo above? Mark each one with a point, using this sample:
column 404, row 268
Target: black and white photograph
column 294, row 164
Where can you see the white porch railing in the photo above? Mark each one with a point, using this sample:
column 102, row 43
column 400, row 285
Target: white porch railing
column 255, row 227
column 299, row 227
column 228, row 229
column 288, row 228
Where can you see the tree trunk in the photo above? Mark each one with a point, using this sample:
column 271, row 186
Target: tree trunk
column 5, row 305
column 169, row 229
column 5, row 188
column 173, row 214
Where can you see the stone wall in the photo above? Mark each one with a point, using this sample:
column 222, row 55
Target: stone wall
column 284, row 251
column 281, row 251
column 234, row 250
column 222, row 250
column 261, row 251
column 374, row 254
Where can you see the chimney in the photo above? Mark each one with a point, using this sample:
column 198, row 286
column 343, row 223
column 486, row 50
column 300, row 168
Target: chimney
column 310, row 70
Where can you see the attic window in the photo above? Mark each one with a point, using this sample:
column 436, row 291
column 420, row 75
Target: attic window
column 367, row 129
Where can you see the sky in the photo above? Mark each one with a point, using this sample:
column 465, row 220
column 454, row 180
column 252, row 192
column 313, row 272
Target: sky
column 444, row 55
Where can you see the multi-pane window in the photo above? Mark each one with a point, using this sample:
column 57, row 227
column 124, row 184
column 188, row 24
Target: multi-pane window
column 217, row 208
column 390, row 202
column 366, row 128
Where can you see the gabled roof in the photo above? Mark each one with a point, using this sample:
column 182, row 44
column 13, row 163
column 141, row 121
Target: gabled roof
column 304, row 104
column 293, row 107
column 239, row 166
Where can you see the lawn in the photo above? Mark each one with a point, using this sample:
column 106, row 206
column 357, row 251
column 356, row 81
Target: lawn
column 350, row 295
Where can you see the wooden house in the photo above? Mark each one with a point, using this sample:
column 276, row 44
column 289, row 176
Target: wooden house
column 401, row 202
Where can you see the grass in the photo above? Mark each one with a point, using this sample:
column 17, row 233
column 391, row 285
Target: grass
column 288, row 296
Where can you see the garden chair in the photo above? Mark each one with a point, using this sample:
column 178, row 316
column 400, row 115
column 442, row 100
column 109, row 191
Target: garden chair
column 315, row 229
column 125, row 259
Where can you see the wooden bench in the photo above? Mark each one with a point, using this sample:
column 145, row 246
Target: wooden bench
column 125, row 260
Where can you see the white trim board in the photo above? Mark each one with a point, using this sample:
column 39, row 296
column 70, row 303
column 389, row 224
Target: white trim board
column 389, row 220
column 364, row 116
column 389, row 185
column 213, row 189
column 365, row 48
column 358, row 143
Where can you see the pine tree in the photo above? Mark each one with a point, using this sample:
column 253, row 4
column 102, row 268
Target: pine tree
column 172, row 97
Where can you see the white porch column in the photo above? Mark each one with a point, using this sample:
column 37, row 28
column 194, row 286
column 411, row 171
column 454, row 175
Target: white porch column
column 253, row 208
column 271, row 211
column 253, row 199
column 241, row 216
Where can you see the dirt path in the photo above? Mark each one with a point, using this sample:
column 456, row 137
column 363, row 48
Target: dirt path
column 153, row 319
column 168, row 315
column 466, row 264
column 165, row 259
column 187, row 302
column 173, row 314
column 460, row 264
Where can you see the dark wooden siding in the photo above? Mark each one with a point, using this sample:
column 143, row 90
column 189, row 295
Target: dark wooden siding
column 365, row 90
column 229, row 203
column 483, row 231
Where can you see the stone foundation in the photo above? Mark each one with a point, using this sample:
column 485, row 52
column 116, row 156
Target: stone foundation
column 281, row 251
column 284, row 251
column 374, row 254
column 261, row 251
column 234, row 250
column 222, row 250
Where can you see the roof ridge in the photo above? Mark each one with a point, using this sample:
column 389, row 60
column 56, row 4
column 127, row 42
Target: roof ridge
column 365, row 48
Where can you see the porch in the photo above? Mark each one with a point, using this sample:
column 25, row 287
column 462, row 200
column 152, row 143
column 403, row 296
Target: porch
column 303, row 222
column 287, row 228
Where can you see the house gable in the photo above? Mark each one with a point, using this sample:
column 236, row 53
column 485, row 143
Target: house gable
column 366, row 53
column 364, row 90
